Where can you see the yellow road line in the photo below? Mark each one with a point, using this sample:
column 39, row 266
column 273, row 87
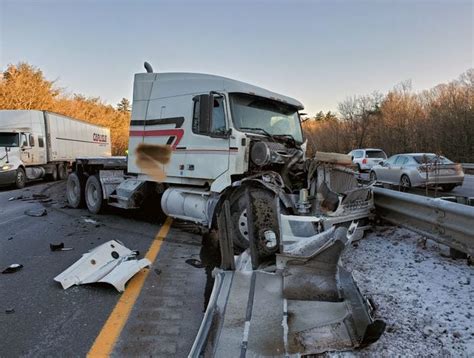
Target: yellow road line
column 105, row 341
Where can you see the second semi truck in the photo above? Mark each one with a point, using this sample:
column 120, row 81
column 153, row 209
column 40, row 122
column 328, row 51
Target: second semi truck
column 40, row 144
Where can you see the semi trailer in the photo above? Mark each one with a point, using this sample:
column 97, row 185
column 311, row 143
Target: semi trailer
column 40, row 144
column 224, row 136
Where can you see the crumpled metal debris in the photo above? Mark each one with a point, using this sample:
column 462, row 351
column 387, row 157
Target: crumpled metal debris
column 304, row 304
column 110, row 262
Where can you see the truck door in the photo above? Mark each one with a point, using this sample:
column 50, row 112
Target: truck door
column 208, row 150
column 25, row 148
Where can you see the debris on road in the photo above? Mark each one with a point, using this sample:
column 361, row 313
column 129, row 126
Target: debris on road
column 13, row 268
column 10, row 310
column 110, row 263
column 195, row 263
column 36, row 213
column 15, row 198
column 59, row 247
column 90, row 221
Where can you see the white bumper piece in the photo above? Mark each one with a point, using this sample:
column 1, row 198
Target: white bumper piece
column 111, row 263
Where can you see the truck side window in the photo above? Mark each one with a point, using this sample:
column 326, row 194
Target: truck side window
column 40, row 141
column 196, row 112
column 218, row 116
column 32, row 140
column 23, row 140
column 218, row 124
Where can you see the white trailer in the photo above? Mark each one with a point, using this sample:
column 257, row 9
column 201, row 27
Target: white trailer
column 40, row 144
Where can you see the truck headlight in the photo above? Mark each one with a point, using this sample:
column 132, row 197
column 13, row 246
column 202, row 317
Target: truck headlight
column 6, row 167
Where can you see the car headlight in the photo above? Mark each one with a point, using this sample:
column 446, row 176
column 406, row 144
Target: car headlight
column 7, row 166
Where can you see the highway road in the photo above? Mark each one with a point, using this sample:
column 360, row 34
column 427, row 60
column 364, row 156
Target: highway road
column 160, row 311
column 39, row 318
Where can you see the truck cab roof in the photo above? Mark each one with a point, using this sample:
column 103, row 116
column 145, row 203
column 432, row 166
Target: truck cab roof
column 181, row 83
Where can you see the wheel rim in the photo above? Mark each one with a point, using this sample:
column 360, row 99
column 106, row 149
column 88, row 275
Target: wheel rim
column 243, row 224
column 20, row 178
column 92, row 195
column 372, row 176
column 405, row 182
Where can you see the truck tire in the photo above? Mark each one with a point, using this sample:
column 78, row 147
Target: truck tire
column 20, row 178
column 448, row 187
column 266, row 219
column 93, row 194
column 53, row 176
column 62, row 171
column 75, row 190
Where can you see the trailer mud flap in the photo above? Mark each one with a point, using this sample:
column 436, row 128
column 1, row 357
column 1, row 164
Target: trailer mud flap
column 308, row 305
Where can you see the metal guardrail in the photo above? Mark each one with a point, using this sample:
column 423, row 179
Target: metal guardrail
column 445, row 222
column 468, row 167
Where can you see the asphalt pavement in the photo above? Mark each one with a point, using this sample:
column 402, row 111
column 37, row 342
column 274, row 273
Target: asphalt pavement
column 39, row 318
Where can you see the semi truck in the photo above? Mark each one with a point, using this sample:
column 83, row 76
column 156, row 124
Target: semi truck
column 225, row 136
column 40, row 144
column 230, row 157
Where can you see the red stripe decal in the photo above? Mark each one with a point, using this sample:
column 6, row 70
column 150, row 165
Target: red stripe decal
column 177, row 133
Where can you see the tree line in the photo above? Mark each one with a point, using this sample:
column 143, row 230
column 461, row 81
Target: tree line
column 23, row 86
column 439, row 120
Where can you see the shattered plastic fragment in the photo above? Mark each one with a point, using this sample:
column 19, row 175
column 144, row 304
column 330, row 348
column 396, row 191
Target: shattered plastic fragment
column 56, row 247
column 194, row 263
column 111, row 263
column 13, row 268
column 59, row 247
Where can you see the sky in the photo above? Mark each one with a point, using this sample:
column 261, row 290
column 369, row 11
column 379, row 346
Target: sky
column 319, row 52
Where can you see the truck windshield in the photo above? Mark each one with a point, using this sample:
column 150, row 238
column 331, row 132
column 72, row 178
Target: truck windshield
column 265, row 115
column 9, row 140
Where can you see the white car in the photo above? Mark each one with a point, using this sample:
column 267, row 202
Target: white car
column 365, row 159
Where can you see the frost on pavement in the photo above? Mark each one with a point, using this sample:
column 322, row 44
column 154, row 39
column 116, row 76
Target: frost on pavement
column 425, row 298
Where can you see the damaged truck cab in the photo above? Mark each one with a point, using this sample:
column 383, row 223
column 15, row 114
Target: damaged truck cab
column 225, row 135
column 230, row 157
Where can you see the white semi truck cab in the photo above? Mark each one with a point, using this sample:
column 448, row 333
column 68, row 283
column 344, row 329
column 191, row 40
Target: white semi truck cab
column 227, row 138
column 40, row 144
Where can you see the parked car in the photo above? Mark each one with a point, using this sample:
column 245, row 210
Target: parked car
column 365, row 159
column 419, row 169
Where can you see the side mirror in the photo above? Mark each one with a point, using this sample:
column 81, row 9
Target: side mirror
column 206, row 104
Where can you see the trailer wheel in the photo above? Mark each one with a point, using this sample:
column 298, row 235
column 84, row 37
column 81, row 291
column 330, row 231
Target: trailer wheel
column 53, row 176
column 20, row 178
column 75, row 190
column 93, row 194
column 265, row 218
column 62, row 171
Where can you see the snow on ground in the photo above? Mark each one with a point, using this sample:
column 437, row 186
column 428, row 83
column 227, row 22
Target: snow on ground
column 425, row 297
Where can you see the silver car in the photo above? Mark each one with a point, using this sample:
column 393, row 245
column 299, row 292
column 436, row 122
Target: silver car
column 418, row 169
